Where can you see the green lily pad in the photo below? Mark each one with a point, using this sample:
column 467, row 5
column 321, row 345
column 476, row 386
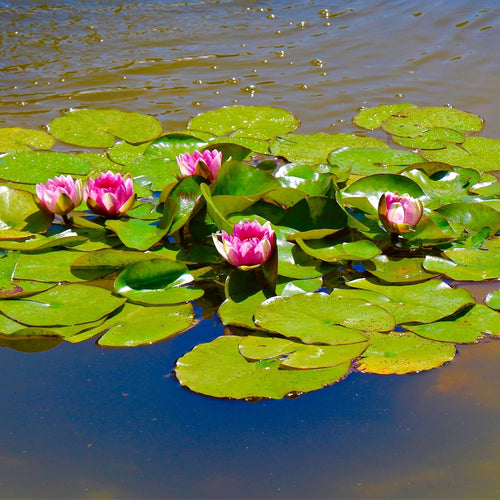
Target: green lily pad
column 136, row 325
column 412, row 122
column 136, row 233
column 297, row 355
column 300, row 176
column 156, row 281
column 321, row 318
column 64, row 237
column 23, row 139
column 471, row 216
column 493, row 299
column 367, row 161
column 169, row 146
column 478, row 153
column 218, row 369
column 434, row 138
column 334, row 251
column 398, row 269
column 38, row 166
column 98, row 128
column 293, row 262
column 400, row 353
column 372, row 118
column 465, row 264
column 62, row 305
column 315, row 148
column 125, row 153
column 420, row 302
column 471, row 327
column 19, row 212
column 257, row 122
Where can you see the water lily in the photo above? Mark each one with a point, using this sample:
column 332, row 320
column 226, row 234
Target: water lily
column 399, row 214
column 110, row 194
column 61, row 194
column 250, row 245
column 206, row 164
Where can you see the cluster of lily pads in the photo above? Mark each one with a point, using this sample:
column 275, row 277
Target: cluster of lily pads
column 321, row 254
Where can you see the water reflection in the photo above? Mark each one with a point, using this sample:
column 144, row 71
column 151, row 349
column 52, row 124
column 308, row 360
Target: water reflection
column 83, row 422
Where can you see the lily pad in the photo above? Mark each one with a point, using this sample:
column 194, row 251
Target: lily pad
column 23, row 139
column 297, row 355
column 99, row 128
column 412, row 122
column 169, row 146
column 334, row 251
column 62, row 305
column 257, row 122
column 368, row 161
column 420, row 302
column 320, row 318
column 398, row 269
column 465, row 264
column 156, row 281
column 315, row 148
column 137, row 325
column 493, row 299
column 434, row 138
column 400, row 353
column 218, row 369
column 372, row 118
column 478, row 153
column 471, row 327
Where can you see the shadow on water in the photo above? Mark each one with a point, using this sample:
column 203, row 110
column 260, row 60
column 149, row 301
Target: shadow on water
column 83, row 422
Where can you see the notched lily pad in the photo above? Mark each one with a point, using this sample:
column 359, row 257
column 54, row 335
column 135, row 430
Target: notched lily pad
column 372, row 118
column 23, row 139
column 400, row 353
column 218, row 369
column 98, row 128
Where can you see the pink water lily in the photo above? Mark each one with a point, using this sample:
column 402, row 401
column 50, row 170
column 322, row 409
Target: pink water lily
column 399, row 214
column 110, row 194
column 206, row 164
column 249, row 246
column 61, row 194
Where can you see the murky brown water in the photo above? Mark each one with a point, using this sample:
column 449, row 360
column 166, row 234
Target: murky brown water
column 79, row 422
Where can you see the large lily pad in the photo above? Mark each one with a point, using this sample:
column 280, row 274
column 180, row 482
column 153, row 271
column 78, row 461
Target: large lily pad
column 465, row 264
column 470, row 327
column 218, row 369
column 321, row 318
column 23, row 139
column 399, row 353
column 412, row 122
column 372, row 118
column 398, row 269
column 420, row 302
column 315, row 148
column 98, row 128
column 169, row 146
column 258, row 122
column 297, row 355
column 332, row 251
column 62, row 305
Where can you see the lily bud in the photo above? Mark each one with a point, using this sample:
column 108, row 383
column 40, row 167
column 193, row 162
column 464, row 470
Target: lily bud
column 399, row 214
column 206, row 164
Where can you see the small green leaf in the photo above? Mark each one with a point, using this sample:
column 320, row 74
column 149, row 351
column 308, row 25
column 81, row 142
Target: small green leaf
column 23, row 139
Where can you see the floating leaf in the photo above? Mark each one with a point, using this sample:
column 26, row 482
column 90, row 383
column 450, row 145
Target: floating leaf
column 398, row 269
column 412, row 122
column 367, row 161
column 315, row 148
column 98, row 128
column 478, row 153
column 320, row 318
column 169, row 146
column 372, row 118
column 218, row 369
column 156, row 281
column 434, row 138
column 62, row 305
column 493, row 299
column 420, row 302
column 471, row 327
column 399, row 353
column 23, row 139
column 258, row 122
column 472, row 216
column 137, row 325
column 136, row 233
column 465, row 264
column 297, row 355
column 331, row 251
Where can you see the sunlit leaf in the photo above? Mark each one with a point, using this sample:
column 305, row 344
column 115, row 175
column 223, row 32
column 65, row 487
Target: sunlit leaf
column 23, row 139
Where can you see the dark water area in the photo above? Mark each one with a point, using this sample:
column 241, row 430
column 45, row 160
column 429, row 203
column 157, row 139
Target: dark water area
column 85, row 422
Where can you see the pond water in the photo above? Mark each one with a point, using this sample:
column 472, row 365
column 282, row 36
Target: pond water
column 80, row 421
